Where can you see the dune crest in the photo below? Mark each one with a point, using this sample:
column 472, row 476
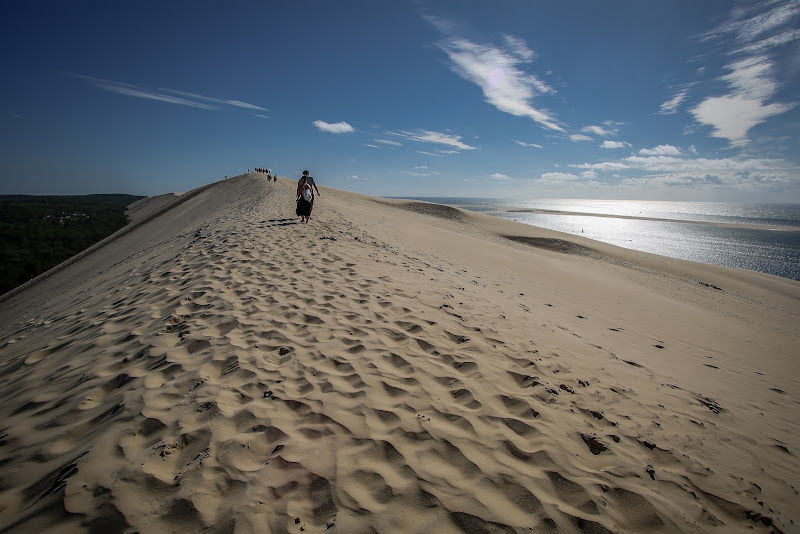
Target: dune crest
column 392, row 367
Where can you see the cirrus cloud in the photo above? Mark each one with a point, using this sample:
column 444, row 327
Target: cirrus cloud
column 497, row 70
column 439, row 138
column 170, row 96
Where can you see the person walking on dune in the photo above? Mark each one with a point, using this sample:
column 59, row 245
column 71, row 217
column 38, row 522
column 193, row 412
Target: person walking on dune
column 305, row 199
column 312, row 185
column 310, row 181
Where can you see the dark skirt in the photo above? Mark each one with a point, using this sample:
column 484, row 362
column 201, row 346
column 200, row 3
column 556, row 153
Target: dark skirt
column 303, row 208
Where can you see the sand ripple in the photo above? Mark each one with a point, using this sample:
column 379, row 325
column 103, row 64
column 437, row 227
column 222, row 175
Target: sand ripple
column 244, row 375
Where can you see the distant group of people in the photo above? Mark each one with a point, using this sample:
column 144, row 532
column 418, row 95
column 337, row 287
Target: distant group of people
column 270, row 176
column 306, row 187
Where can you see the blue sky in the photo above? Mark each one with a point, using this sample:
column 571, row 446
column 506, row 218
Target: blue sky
column 676, row 100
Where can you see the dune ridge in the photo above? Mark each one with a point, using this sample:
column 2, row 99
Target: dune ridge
column 392, row 366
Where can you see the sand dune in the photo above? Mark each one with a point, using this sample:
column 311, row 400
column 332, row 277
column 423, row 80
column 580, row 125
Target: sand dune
column 392, row 366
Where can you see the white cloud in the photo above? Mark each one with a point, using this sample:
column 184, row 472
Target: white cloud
column 661, row 150
column 597, row 130
column 388, row 142
column 671, row 105
column 530, row 145
column 756, row 30
column 732, row 116
column 497, row 177
column 579, row 137
column 705, row 165
column 428, row 136
column 614, row 144
column 496, row 70
column 337, row 127
column 735, row 173
column 589, row 175
column 603, row 166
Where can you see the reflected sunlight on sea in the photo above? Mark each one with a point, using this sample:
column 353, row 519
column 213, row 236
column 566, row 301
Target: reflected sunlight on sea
column 774, row 251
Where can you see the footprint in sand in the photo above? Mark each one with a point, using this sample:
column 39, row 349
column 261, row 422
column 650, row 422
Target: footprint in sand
column 37, row 356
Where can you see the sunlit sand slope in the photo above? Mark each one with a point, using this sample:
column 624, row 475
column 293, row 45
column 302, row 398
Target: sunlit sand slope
column 392, row 366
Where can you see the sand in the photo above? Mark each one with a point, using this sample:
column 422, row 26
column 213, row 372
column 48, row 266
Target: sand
column 392, row 366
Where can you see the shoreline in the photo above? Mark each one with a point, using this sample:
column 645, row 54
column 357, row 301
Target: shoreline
column 657, row 219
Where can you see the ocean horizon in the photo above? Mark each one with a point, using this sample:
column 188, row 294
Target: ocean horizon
column 758, row 237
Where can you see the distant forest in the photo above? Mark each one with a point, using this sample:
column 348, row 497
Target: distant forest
column 39, row 232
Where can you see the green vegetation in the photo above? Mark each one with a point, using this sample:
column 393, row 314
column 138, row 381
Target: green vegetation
column 39, row 232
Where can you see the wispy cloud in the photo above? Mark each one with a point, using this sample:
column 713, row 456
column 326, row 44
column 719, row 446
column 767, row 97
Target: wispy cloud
column 169, row 96
column 750, row 22
column 598, row 130
column 388, row 142
column 671, row 106
column 752, row 34
column 132, row 90
column 428, row 136
column 529, row 145
column 781, row 39
column 496, row 69
column 337, row 127
column 498, row 177
column 422, row 170
column 221, row 101
column 579, row 137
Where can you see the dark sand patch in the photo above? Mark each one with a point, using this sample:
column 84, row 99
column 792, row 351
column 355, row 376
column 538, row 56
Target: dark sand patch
column 548, row 243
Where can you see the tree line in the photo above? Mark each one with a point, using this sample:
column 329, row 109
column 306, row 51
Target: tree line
column 39, row 232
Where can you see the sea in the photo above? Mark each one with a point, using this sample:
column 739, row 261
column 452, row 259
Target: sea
column 759, row 237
